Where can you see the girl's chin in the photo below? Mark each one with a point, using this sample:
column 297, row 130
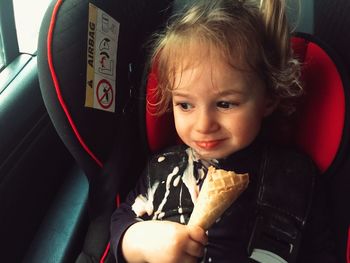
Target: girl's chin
column 209, row 155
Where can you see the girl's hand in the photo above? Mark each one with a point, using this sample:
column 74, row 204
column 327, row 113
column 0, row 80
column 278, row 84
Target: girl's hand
column 163, row 241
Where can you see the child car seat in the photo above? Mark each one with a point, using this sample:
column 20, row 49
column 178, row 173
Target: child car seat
column 111, row 136
column 320, row 128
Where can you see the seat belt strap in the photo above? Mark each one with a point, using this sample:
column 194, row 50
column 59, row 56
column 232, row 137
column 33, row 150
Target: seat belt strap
column 284, row 199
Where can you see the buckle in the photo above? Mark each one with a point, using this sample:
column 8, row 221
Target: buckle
column 275, row 238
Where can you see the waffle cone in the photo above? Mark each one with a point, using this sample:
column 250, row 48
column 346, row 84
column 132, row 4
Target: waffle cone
column 220, row 189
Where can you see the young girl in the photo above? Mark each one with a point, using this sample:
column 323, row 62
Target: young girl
column 224, row 66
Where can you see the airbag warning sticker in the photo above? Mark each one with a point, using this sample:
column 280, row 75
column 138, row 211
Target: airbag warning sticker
column 102, row 45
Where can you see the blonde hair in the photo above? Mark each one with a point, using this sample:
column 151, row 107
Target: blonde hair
column 253, row 33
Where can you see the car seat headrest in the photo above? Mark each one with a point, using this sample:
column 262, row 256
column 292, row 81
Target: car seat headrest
column 322, row 124
column 321, row 121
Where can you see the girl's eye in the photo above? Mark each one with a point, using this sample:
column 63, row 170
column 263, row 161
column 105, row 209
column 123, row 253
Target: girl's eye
column 184, row 106
column 226, row 105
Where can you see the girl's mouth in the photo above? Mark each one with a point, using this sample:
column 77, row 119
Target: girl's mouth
column 208, row 145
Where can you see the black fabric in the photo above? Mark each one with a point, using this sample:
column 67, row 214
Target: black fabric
column 331, row 37
column 119, row 173
column 124, row 216
column 138, row 20
column 236, row 225
column 69, row 48
column 315, row 245
column 297, row 182
column 282, row 216
column 103, row 132
column 339, row 196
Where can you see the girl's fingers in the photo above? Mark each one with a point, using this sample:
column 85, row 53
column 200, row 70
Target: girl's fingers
column 189, row 259
column 198, row 234
column 194, row 249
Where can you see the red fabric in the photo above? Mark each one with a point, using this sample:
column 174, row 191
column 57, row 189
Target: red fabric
column 320, row 126
column 160, row 129
column 105, row 254
column 57, row 85
column 299, row 46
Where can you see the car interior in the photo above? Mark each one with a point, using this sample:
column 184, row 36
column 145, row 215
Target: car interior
column 66, row 161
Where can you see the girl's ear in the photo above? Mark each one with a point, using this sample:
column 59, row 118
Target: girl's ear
column 270, row 105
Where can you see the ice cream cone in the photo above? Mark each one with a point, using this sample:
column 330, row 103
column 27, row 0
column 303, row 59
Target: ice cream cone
column 220, row 189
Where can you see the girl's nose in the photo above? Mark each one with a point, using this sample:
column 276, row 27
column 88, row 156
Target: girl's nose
column 206, row 122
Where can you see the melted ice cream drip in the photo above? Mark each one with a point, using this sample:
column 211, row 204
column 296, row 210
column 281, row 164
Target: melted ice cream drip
column 144, row 204
column 188, row 178
column 159, row 213
column 180, row 210
column 177, row 181
column 161, row 159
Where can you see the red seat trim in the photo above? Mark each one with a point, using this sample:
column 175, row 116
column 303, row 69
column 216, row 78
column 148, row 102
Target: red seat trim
column 160, row 129
column 321, row 124
column 57, row 85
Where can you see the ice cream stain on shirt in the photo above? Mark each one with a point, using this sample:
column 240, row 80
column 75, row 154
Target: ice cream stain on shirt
column 176, row 181
column 159, row 211
column 144, row 204
column 161, row 159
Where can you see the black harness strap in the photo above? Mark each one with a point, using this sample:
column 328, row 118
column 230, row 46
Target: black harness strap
column 287, row 181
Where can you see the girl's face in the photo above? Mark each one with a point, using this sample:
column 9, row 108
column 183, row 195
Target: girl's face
column 218, row 110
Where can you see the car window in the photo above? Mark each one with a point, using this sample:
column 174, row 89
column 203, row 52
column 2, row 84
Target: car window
column 301, row 15
column 2, row 55
column 28, row 16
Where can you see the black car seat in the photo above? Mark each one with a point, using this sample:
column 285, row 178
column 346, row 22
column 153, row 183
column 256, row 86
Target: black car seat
column 111, row 137
column 72, row 32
